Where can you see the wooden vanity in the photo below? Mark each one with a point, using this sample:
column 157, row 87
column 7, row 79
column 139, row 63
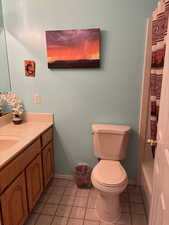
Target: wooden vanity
column 24, row 177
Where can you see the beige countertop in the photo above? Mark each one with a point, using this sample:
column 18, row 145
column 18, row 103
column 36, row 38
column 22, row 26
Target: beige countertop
column 22, row 135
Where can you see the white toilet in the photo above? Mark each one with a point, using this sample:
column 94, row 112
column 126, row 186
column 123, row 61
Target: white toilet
column 108, row 176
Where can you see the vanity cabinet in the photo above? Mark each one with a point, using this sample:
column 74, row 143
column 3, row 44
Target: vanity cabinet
column 48, row 163
column 46, row 137
column 14, row 203
column 24, row 178
column 34, row 181
column 16, row 166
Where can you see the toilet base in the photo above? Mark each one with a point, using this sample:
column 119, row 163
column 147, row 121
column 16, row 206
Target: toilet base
column 108, row 207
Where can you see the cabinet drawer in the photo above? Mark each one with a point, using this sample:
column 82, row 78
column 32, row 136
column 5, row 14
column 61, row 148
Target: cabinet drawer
column 9, row 173
column 47, row 137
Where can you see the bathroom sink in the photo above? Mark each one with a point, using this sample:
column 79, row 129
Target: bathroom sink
column 7, row 142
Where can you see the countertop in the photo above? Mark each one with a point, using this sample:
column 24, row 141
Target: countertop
column 32, row 127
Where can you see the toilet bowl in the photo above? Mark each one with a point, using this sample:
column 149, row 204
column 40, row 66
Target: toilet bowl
column 108, row 176
column 110, row 179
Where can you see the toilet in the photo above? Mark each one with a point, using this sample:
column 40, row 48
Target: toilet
column 108, row 176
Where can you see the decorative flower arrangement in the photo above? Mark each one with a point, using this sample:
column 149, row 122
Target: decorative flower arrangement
column 16, row 105
column 2, row 100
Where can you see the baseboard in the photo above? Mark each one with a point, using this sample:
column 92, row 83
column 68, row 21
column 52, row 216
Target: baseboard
column 71, row 177
column 64, row 176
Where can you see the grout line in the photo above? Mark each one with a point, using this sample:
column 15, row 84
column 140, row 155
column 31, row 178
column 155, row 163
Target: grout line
column 145, row 212
column 129, row 202
column 37, row 219
column 130, row 210
column 48, row 194
column 59, row 204
column 69, row 206
column 86, row 206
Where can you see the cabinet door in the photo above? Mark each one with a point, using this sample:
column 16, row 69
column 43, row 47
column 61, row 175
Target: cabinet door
column 0, row 218
column 47, row 137
column 14, row 203
column 48, row 163
column 34, row 181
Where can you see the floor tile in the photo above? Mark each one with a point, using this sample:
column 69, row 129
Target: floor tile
column 75, row 222
column 80, row 201
column 77, row 213
column 53, row 199
column 134, row 197
column 32, row 219
column 49, row 190
column 91, row 214
column 92, row 202
column 124, row 197
column 63, row 211
column 93, row 193
column 59, row 221
column 82, row 193
column 90, row 222
column 107, row 223
column 53, row 182
column 139, row 220
column 38, row 207
column 65, row 204
column 126, row 190
column 61, row 182
column 49, row 209
column 44, row 220
column 134, row 189
column 70, row 191
column 125, row 208
column 43, row 198
column 67, row 200
column 125, row 219
column 71, row 184
column 49, row 187
column 137, row 208
column 58, row 190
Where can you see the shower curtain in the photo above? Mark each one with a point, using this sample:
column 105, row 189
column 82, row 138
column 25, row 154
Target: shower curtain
column 159, row 32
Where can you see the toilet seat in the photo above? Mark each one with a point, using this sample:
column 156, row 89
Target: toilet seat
column 109, row 176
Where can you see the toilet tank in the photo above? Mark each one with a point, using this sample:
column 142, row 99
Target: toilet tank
column 110, row 141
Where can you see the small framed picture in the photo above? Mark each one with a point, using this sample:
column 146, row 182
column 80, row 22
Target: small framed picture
column 29, row 68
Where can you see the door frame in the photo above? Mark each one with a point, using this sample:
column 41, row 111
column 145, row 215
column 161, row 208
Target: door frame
column 145, row 94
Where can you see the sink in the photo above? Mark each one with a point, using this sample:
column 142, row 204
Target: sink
column 7, row 142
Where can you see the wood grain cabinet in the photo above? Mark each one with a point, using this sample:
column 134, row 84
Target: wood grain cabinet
column 34, row 181
column 46, row 137
column 48, row 163
column 23, row 179
column 14, row 203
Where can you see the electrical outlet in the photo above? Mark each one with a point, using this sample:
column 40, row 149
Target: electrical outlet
column 37, row 99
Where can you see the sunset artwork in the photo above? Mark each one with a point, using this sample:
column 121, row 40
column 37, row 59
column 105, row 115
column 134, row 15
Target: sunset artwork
column 73, row 48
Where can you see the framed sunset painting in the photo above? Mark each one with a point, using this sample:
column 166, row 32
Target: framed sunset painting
column 73, row 48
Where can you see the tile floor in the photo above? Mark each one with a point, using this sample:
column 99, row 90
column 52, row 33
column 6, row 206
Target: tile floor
column 65, row 204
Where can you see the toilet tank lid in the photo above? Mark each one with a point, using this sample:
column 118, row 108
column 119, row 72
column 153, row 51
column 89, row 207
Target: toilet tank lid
column 109, row 128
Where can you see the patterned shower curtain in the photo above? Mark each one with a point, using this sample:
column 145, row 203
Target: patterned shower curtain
column 159, row 32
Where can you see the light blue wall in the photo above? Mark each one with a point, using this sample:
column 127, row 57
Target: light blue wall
column 80, row 97
column 4, row 73
column 155, row 2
